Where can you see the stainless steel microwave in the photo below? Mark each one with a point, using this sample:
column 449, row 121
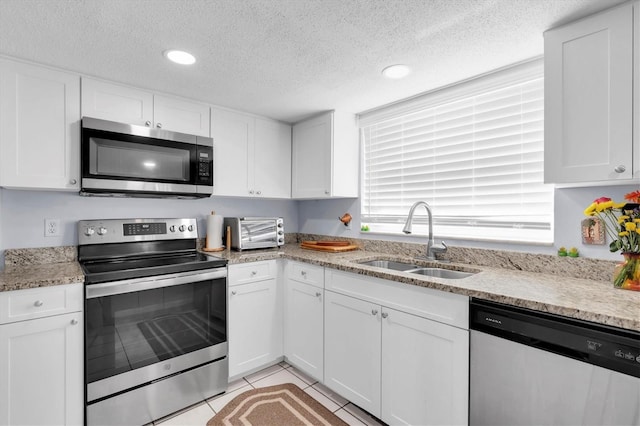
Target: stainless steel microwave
column 127, row 160
column 255, row 232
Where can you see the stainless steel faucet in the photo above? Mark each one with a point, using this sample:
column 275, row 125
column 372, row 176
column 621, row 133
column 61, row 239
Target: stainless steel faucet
column 432, row 249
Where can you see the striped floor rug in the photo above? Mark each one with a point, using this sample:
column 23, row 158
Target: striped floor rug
column 280, row 405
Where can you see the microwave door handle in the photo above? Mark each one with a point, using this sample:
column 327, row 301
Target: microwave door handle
column 150, row 283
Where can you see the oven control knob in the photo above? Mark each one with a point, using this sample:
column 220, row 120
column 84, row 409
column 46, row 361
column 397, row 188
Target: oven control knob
column 182, row 228
column 172, row 228
column 190, row 228
column 102, row 230
column 280, row 232
column 89, row 231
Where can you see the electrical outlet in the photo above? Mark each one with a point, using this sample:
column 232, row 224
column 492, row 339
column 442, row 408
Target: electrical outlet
column 52, row 227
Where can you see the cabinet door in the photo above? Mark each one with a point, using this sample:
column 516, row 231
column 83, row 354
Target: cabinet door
column 425, row 367
column 233, row 135
column 303, row 328
column 272, row 159
column 39, row 127
column 311, row 161
column 255, row 326
column 588, row 99
column 181, row 116
column 636, row 94
column 42, row 373
column 352, row 350
column 113, row 102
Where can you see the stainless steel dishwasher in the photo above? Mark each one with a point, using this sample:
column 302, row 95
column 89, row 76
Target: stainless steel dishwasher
column 534, row 368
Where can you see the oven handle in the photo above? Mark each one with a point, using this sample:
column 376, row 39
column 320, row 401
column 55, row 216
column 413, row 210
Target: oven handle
column 147, row 283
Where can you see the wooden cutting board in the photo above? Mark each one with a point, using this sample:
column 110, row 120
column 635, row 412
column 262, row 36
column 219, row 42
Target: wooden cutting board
column 329, row 246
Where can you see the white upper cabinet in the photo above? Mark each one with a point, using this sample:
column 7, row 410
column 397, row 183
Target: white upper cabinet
column 181, row 116
column 636, row 93
column 589, row 99
column 39, row 127
column 109, row 101
column 272, row 159
column 252, row 156
column 325, row 157
column 116, row 103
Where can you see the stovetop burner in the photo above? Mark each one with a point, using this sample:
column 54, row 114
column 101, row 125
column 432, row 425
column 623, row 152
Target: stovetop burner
column 117, row 270
column 121, row 249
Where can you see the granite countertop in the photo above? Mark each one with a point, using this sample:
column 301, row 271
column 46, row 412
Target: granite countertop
column 20, row 277
column 587, row 299
column 580, row 298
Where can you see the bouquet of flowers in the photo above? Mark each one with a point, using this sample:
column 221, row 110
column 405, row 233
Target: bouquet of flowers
column 622, row 225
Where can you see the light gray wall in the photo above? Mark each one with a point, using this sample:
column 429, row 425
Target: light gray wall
column 321, row 217
column 22, row 213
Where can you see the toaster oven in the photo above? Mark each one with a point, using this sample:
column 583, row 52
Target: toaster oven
column 255, row 232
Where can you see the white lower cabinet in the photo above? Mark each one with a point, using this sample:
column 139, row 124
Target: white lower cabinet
column 424, row 371
column 352, row 350
column 255, row 317
column 304, row 318
column 401, row 367
column 42, row 356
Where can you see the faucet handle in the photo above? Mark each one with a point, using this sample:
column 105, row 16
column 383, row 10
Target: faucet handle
column 439, row 248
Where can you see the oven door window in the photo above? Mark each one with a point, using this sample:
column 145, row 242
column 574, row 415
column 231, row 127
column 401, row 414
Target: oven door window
column 133, row 330
column 109, row 158
column 257, row 231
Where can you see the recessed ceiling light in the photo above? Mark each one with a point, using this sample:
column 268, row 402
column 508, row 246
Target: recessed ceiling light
column 396, row 71
column 180, row 57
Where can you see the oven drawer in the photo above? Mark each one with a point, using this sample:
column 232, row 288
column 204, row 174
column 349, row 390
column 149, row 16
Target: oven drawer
column 20, row 305
column 251, row 272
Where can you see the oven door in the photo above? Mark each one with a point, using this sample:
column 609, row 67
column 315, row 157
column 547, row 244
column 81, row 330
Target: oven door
column 141, row 330
column 119, row 158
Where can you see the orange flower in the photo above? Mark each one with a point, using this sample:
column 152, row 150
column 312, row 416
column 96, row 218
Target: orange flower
column 633, row 197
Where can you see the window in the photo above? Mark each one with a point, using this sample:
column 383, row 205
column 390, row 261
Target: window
column 473, row 151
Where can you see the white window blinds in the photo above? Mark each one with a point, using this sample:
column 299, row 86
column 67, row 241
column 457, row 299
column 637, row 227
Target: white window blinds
column 473, row 152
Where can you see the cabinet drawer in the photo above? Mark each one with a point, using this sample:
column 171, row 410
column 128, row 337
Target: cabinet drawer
column 252, row 272
column 40, row 302
column 305, row 273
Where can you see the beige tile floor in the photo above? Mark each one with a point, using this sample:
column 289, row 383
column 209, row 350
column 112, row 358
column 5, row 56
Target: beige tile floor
column 281, row 373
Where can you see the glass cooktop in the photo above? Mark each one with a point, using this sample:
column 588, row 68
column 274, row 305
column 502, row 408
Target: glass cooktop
column 99, row 271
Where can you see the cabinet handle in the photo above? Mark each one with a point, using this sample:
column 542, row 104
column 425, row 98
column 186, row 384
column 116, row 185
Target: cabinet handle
column 318, row 294
column 254, row 273
column 38, row 303
column 384, row 315
column 159, row 125
column 326, row 192
column 74, row 321
column 233, row 293
column 258, row 192
column 73, row 181
column 147, row 123
column 303, row 273
column 620, row 169
column 374, row 312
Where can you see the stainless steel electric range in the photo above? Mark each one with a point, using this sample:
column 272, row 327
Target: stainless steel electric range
column 155, row 319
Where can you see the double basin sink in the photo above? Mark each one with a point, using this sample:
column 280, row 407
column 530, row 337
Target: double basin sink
column 417, row 269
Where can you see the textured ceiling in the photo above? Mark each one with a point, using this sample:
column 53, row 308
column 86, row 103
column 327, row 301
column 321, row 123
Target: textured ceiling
column 284, row 59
